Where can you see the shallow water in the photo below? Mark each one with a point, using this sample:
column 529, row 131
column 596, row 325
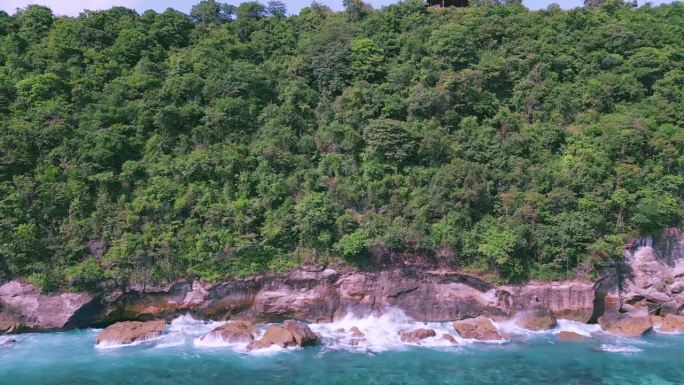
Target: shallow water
column 180, row 358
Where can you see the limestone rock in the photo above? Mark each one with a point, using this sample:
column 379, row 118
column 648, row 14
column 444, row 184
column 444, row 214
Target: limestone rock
column 301, row 332
column 536, row 318
column 631, row 324
column 124, row 333
column 24, row 308
column 571, row 336
column 233, row 332
column 672, row 324
column 415, row 336
column 291, row 333
column 448, row 338
column 479, row 328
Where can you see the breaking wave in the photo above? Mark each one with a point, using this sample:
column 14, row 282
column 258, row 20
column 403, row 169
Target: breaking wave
column 368, row 334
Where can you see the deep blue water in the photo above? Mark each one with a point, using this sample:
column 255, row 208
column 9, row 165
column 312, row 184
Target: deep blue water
column 71, row 358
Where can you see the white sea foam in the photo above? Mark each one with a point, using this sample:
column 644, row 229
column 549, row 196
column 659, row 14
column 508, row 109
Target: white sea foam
column 381, row 332
column 618, row 349
column 580, row 328
column 114, row 345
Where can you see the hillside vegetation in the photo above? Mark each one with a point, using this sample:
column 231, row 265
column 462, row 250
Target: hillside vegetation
column 236, row 140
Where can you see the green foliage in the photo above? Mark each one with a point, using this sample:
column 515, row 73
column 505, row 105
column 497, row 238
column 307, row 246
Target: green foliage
column 353, row 245
column 237, row 140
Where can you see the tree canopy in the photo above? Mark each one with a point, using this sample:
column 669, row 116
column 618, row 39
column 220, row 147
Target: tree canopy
column 237, row 139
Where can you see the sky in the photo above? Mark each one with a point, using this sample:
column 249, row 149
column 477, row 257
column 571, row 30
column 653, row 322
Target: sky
column 74, row 7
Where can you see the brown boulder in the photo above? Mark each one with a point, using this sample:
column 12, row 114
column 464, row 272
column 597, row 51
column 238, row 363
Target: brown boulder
column 632, row 324
column 536, row 318
column 238, row 332
column 291, row 333
column 301, row 332
column 672, row 324
column 415, row 336
column 656, row 319
column 479, row 328
column 448, row 338
column 275, row 335
column 356, row 332
column 571, row 336
column 123, row 333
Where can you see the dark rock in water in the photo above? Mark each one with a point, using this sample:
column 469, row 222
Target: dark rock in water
column 233, row 332
column 479, row 328
column 536, row 318
column 415, row 336
column 291, row 333
column 631, row 324
column 123, row 333
column 672, row 324
column 571, row 336
column 8, row 342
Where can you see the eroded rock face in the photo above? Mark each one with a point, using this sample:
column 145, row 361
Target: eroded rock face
column 25, row 308
column 536, row 318
column 479, row 328
column 415, row 336
column 651, row 276
column 631, row 324
column 232, row 333
column 325, row 295
column 672, row 324
column 573, row 300
column 124, row 333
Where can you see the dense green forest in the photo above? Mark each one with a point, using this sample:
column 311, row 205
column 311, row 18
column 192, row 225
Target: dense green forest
column 234, row 140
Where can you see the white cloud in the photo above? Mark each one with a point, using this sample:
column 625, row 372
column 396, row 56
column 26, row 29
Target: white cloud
column 67, row 7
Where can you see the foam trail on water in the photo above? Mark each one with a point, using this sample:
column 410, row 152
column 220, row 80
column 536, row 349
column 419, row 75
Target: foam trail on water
column 617, row 349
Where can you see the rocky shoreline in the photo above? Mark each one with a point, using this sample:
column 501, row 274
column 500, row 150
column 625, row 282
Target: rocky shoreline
column 648, row 285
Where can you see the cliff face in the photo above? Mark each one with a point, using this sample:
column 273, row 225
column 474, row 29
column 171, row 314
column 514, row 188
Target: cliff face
column 308, row 295
column 651, row 276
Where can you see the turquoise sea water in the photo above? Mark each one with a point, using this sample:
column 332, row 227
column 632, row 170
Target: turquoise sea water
column 71, row 358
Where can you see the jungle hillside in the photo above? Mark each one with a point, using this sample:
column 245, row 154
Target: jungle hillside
column 143, row 148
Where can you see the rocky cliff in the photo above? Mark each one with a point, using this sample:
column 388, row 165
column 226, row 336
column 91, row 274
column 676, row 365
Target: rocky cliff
column 651, row 276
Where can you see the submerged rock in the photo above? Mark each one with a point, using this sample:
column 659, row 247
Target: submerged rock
column 124, row 333
column 631, row 324
column 448, row 338
column 415, row 336
column 8, row 342
column 234, row 332
column 356, row 332
column 672, row 324
column 571, row 336
column 479, row 328
column 291, row 333
column 536, row 318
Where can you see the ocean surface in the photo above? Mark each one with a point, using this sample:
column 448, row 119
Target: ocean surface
column 179, row 357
